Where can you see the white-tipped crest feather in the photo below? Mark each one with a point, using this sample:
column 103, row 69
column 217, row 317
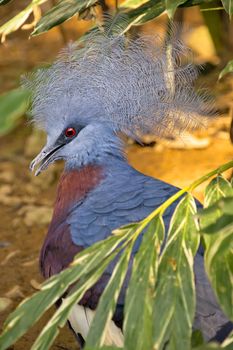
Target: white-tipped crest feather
column 130, row 84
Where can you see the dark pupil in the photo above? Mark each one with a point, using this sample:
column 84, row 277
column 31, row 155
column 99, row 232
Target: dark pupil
column 70, row 132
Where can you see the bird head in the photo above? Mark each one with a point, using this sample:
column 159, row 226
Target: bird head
column 110, row 85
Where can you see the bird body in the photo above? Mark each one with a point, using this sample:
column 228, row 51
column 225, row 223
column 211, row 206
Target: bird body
column 85, row 101
column 93, row 201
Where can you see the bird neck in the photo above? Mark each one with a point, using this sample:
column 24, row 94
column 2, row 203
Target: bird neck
column 73, row 187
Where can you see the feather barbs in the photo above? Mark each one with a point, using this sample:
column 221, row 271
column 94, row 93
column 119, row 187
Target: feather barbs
column 132, row 85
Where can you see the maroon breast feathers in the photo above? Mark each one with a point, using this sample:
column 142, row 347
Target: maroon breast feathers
column 58, row 249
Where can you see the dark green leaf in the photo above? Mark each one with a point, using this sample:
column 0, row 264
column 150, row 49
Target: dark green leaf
column 171, row 6
column 189, row 3
column 227, row 69
column 228, row 6
column 197, row 338
column 13, row 105
column 64, row 10
column 140, row 15
column 226, row 345
column 4, row 2
column 108, row 301
column 210, row 346
column 174, row 311
column 139, row 298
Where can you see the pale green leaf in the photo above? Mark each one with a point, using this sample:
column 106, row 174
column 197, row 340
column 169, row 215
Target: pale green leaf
column 60, row 13
column 227, row 69
column 228, row 6
column 59, row 319
column 16, row 22
column 108, row 300
column 217, row 188
column 139, row 297
column 132, row 3
column 216, row 217
column 13, row 105
column 104, row 348
column 174, row 305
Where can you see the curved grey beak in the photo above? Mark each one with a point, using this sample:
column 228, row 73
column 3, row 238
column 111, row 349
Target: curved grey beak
column 44, row 158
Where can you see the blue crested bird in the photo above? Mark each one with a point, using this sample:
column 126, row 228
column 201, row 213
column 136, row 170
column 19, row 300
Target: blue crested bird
column 94, row 93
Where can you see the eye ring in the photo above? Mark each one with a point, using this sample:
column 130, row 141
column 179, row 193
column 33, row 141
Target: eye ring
column 70, row 132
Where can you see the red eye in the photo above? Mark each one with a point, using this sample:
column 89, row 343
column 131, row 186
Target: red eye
column 70, row 132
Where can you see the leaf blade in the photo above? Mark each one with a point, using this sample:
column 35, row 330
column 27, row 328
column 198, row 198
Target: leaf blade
column 13, row 105
column 108, row 300
column 139, row 297
column 64, row 10
column 31, row 309
column 174, row 312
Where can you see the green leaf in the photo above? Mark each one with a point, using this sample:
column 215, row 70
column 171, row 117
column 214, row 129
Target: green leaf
column 31, row 309
column 132, row 3
column 226, row 345
column 60, row 13
column 139, row 297
column 217, row 221
column 104, row 348
column 4, row 2
column 197, row 338
column 13, row 105
column 174, row 305
column 59, row 319
column 217, row 188
column 190, row 3
column 108, row 301
column 228, row 6
column 17, row 21
column 227, row 69
column 216, row 217
column 219, row 267
column 140, row 15
column 171, row 6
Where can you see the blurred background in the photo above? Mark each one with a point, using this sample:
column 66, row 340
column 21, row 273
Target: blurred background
column 26, row 201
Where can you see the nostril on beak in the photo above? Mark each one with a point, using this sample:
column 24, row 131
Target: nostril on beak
column 36, row 160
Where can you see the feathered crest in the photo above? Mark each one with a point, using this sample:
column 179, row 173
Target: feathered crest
column 136, row 86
